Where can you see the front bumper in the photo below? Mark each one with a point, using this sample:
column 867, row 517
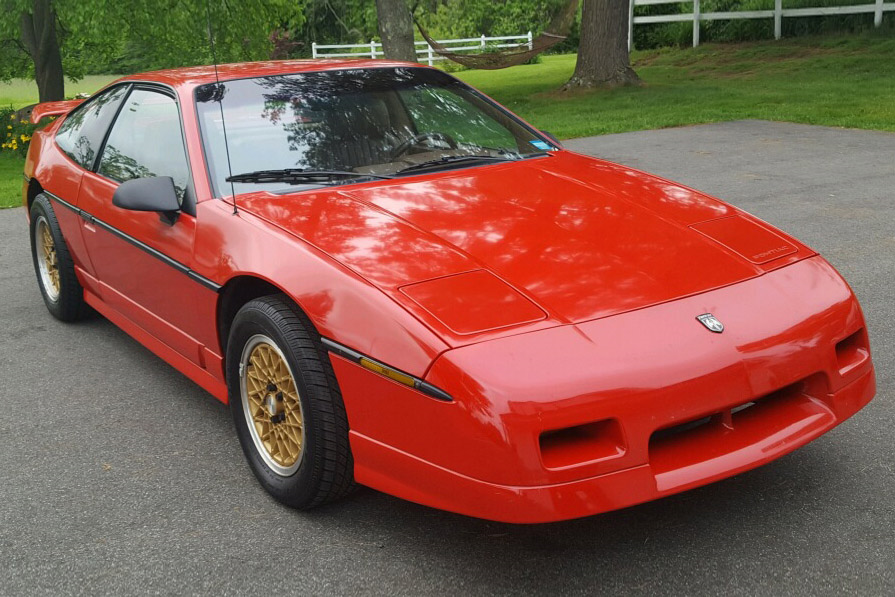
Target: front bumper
column 586, row 418
column 732, row 451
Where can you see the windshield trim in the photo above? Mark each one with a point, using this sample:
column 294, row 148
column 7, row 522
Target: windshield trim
column 217, row 194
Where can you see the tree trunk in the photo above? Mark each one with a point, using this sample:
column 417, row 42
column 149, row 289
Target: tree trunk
column 39, row 38
column 603, row 58
column 396, row 30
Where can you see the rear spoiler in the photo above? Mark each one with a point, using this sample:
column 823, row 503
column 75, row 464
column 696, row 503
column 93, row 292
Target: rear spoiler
column 45, row 109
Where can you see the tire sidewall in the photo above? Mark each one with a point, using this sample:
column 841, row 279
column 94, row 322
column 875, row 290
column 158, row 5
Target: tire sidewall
column 41, row 208
column 298, row 488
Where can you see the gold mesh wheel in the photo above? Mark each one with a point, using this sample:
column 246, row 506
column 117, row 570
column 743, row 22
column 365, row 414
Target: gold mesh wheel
column 271, row 404
column 47, row 261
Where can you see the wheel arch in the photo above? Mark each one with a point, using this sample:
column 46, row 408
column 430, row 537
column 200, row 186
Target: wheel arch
column 238, row 291
column 34, row 189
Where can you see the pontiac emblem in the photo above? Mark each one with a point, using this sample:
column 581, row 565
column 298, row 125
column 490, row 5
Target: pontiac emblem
column 711, row 322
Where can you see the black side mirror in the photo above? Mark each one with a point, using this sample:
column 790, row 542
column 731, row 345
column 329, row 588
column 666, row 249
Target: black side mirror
column 553, row 138
column 149, row 194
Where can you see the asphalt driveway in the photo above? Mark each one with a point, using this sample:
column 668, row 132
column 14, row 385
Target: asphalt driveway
column 119, row 476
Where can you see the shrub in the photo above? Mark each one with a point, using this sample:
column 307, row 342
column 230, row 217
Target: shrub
column 739, row 30
column 15, row 132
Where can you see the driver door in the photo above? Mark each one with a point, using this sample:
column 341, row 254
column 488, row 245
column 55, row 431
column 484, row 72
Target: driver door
column 140, row 260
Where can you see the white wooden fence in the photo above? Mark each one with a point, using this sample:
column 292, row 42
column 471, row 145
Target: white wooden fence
column 423, row 50
column 478, row 44
column 778, row 13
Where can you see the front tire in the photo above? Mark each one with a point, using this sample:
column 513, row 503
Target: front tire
column 59, row 286
column 286, row 405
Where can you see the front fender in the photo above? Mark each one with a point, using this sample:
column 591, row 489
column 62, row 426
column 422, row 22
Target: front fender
column 343, row 306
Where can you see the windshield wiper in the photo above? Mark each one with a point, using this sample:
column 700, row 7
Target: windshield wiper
column 458, row 159
column 299, row 175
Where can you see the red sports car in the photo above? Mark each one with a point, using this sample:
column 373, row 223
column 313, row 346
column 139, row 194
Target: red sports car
column 396, row 282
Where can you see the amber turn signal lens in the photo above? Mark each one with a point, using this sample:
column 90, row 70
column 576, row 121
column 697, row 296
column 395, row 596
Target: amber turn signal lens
column 390, row 373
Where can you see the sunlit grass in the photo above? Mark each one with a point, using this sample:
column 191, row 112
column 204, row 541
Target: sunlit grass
column 10, row 179
column 19, row 92
column 835, row 81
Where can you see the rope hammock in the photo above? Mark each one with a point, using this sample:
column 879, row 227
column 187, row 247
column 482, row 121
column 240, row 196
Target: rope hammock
column 556, row 32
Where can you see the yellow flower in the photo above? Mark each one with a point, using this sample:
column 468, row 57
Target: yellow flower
column 9, row 126
column 12, row 116
column 23, row 138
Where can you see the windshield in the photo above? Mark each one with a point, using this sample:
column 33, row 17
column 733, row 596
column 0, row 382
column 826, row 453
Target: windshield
column 382, row 122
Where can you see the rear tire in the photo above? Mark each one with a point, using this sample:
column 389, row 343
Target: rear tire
column 59, row 286
column 286, row 405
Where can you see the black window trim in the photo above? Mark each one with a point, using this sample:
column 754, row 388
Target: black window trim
column 189, row 195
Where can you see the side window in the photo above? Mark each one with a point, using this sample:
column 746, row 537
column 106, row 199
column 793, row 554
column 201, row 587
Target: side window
column 146, row 141
column 435, row 110
column 82, row 132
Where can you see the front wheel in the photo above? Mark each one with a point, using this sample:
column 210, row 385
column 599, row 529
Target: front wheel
column 286, row 405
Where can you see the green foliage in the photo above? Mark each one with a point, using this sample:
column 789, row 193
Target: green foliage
column 452, row 19
column 739, row 30
column 101, row 36
column 15, row 132
column 336, row 22
column 755, row 29
column 171, row 33
column 469, row 18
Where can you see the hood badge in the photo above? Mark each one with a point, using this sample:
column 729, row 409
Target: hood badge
column 711, row 322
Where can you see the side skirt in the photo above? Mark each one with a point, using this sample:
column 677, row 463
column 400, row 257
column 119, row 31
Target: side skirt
column 208, row 382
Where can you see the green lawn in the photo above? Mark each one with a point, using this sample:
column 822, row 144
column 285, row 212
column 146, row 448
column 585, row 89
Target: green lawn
column 20, row 93
column 835, row 81
column 10, row 180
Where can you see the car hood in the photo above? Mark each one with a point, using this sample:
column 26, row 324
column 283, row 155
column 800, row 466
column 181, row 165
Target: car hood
column 563, row 238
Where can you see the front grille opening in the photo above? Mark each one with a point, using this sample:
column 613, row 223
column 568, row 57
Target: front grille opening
column 720, row 420
column 738, row 437
column 581, row 444
column 852, row 352
column 678, row 429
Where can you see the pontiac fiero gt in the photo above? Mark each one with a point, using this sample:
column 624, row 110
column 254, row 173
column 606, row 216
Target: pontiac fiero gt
column 394, row 281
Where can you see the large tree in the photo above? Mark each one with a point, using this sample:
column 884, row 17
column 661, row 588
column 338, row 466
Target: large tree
column 603, row 58
column 29, row 33
column 396, row 30
column 45, row 39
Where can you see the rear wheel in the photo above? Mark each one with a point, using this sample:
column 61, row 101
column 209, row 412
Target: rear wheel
column 286, row 405
column 59, row 286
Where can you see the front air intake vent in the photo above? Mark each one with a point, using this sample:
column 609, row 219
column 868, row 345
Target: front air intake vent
column 591, row 442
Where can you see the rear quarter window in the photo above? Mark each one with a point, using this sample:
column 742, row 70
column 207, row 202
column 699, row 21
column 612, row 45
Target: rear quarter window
column 81, row 133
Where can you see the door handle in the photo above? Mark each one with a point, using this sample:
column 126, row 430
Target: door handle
column 88, row 220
